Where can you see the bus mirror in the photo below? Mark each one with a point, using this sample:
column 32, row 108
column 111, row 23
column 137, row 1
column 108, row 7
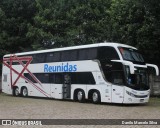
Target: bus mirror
column 132, row 69
column 127, row 63
column 155, row 67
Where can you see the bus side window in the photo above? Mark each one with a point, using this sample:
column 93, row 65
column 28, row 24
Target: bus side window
column 114, row 72
column 82, row 54
column 82, row 78
column 87, row 54
column 53, row 56
column 56, row 78
column 70, row 55
column 29, row 77
column 107, row 53
column 38, row 58
column 117, row 77
column 117, row 73
column 42, row 77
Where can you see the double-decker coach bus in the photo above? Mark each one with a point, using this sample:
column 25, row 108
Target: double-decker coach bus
column 103, row 72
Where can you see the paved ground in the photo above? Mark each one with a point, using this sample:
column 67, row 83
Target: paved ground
column 36, row 108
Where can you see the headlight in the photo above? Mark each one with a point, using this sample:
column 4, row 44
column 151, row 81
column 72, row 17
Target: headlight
column 137, row 96
column 131, row 94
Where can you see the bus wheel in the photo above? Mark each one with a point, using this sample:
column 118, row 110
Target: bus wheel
column 81, row 96
column 96, row 97
column 15, row 91
column 24, row 92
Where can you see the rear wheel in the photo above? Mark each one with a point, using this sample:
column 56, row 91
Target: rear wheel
column 80, row 96
column 24, row 92
column 16, row 91
column 96, row 97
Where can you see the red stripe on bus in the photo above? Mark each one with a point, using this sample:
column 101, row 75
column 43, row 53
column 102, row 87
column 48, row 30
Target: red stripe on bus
column 20, row 59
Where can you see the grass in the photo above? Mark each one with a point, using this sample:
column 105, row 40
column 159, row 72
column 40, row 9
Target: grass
column 154, row 101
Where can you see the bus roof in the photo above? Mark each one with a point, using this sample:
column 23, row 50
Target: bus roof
column 74, row 47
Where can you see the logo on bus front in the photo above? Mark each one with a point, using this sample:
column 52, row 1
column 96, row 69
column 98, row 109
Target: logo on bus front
column 64, row 67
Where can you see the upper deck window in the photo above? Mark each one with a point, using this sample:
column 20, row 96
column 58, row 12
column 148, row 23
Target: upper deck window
column 131, row 54
column 107, row 53
column 87, row 54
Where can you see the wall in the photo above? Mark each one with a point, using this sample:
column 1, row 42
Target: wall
column 0, row 83
column 154, row 82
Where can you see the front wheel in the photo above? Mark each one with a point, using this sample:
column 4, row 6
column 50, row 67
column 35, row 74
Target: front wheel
column 24, row 92
column 96, row 98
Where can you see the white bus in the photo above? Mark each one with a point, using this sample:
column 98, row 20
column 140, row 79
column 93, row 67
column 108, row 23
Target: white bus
column 103, row 72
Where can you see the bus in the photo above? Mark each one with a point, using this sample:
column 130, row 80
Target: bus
column 103, row 72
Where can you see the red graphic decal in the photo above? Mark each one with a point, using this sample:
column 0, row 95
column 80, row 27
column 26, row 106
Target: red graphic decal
column 13, row 58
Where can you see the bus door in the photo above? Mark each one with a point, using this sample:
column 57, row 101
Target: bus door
column 118, row 82
column 66, row 89
column 117, row 94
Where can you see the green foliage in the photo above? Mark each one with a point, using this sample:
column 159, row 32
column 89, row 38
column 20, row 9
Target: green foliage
column 17, row 14
column 68, row 22
column 137, row 23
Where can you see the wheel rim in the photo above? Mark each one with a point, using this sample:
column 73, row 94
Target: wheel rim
column 16, row 92
column 79, row 95
column 95, row 97
column 24, row 92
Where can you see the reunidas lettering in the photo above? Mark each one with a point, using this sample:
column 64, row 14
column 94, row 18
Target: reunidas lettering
column 60, row 68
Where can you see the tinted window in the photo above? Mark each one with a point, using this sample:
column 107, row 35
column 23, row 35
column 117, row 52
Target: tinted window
column 53, row 57
column 87, row 54
column 82, row 78
column 82, row 54
column 42, row 77
column 38, row 58
column 131, row 54
column 107, row 53
column 69, row 55
column 117, row 77
column 113, row 72
column 29, row 77
column 16, row 62
column 56, row 78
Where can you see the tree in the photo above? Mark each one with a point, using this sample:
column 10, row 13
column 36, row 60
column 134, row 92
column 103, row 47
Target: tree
column 136, row 23
column 66, row 23
column 42, row 24
column 2, row 36
column 149, row 33
column 16, row 17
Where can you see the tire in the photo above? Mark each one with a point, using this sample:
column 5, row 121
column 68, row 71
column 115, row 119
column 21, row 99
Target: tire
column 96, row 98
column 24, row 92
column 16, row 91
column 80, row 96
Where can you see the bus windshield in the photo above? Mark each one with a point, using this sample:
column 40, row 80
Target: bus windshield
column 139, row 80
column 131, row 54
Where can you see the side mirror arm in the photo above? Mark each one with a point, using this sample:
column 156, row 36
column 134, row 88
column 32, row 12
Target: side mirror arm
column 155, row 67
column 128, row 63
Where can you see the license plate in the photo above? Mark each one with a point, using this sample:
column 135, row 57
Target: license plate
column 141, row 100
